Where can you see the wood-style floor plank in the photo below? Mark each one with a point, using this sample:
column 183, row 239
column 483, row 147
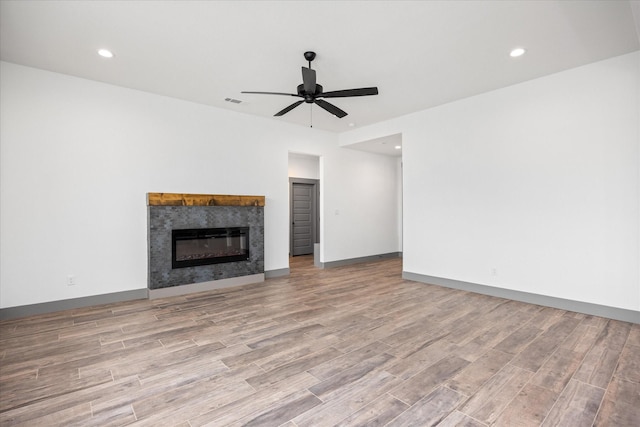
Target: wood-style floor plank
column 349, row 346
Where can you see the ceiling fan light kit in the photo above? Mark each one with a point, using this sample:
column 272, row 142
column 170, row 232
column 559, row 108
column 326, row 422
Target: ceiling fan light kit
column 312, row 92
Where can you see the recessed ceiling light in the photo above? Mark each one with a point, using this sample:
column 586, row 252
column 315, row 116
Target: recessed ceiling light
column 398, row 147
column 351, row 125
column 519, row 51
column 105, row 53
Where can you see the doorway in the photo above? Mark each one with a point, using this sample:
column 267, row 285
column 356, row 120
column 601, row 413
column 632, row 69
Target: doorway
column 304, row 215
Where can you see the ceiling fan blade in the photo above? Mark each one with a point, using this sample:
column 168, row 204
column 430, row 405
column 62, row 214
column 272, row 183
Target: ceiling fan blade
column 365, row 91
column 330, row 108
column 289, row 108
column 309, row 80
column 271, row 93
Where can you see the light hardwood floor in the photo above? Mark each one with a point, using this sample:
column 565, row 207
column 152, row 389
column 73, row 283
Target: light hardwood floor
column 348, row 346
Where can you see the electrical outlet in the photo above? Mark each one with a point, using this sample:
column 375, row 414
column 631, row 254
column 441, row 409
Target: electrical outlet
column 71, row 280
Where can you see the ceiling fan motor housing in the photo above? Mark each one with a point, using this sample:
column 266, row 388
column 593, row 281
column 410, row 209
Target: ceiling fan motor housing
column 309, row 97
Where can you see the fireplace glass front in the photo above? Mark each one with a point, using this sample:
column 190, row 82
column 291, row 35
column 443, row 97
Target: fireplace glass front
column 203, row 246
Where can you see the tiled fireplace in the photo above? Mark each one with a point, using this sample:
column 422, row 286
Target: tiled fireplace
column 199, row 242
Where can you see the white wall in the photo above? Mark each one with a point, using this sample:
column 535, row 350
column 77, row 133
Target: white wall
column 77, row 158
column 399, row 195
column 363, row 177
column 537, row 183
column 304, row 166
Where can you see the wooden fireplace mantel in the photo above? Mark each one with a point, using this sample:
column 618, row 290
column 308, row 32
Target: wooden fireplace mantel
column 177, row 199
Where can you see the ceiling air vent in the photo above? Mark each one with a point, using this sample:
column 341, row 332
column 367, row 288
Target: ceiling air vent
column 235, row 101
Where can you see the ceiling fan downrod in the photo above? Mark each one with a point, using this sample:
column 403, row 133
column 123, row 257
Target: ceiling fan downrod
column 309, row 56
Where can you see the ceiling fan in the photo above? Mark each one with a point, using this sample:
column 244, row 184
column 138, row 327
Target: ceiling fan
column 311, row 92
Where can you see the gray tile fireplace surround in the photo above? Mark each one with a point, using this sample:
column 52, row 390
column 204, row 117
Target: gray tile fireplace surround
column 162, row 219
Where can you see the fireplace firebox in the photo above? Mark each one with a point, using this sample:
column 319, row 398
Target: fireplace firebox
column 203, row 246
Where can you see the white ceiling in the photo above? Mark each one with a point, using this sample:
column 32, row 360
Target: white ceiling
column 384, row 145
column 418, row 53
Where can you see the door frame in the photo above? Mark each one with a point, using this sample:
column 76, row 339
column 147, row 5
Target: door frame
column 315, row 221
